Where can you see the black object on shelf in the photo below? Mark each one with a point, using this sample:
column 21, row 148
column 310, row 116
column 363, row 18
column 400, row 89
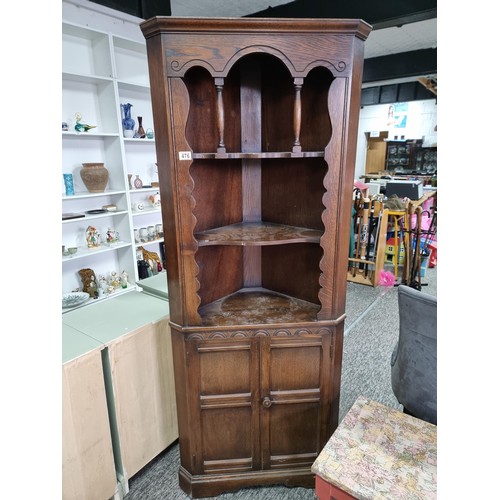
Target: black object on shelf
column 143, row 269
column 68, row 216
column 96, row 211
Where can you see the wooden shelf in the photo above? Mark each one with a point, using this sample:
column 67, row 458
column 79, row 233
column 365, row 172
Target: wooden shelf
column 257, row 306
column 257, row 234
column 257, row 155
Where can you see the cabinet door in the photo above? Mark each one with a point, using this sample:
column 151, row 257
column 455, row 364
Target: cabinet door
column 224, row 396
column 375, row 155
column 259, row 403
column 295, row 406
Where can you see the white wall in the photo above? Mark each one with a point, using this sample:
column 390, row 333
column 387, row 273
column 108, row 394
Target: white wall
column 420, row 123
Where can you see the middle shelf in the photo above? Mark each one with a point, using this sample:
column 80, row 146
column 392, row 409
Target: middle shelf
column 258, row 234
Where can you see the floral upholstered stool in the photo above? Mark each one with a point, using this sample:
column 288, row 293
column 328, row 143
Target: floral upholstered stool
column 378, row 453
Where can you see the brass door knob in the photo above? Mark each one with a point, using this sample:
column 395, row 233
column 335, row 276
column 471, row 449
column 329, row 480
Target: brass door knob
column 266, row 403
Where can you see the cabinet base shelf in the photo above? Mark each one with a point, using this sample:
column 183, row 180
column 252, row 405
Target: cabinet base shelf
column 253, row 306
column 208, row 485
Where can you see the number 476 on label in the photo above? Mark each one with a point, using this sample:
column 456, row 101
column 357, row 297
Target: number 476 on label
column 185, row 155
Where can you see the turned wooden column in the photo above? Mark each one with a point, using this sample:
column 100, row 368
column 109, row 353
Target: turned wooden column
column 297, row 115
column 219, row 85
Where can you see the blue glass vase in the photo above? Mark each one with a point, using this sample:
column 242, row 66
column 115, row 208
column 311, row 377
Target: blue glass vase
column 127, row 120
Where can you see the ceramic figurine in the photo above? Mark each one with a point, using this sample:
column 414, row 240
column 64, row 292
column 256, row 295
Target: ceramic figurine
column 92, row 288
column 155, row 200
column 124, row 279
column 112, row 236
column 103, row 285
column 92, row 237
column 82, row 127
column 115, row 280
column 87, row 276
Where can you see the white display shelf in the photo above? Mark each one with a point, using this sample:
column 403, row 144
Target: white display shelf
column 89, row 217
column 82, row 195
column 145, row 190
column 157, row 240
column 138, row 140
column 81, row 78
column 101, row 71
column 146, row 211
column 86, row 51
column 131, row 61
column 83, row 252
column 127, row 86
column 121, row 291
column 90, row 134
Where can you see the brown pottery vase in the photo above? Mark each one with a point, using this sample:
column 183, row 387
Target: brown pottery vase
column 95, row 177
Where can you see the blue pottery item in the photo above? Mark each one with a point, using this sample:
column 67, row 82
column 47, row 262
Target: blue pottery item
column 127, row 120
column 68, row 184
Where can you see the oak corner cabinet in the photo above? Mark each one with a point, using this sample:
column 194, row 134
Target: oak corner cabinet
column 256, row 124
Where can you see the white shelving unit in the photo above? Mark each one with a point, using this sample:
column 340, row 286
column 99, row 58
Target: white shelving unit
column 102, row 70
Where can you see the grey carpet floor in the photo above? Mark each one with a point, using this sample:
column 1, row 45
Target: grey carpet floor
column 371, row 331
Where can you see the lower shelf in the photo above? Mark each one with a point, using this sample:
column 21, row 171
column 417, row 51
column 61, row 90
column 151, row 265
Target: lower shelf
column 130, row 288
column 257, row 306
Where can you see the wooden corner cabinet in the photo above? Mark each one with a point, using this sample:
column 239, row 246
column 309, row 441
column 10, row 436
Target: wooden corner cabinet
column 256, row 125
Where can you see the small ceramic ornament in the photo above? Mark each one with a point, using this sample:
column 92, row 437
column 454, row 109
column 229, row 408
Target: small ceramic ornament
column 112, row 236
column 82, row 127
column 155, row 200
column 93, row 237
column 137, row 182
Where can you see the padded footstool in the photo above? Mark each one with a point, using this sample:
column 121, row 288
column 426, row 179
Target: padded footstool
column 378, row 453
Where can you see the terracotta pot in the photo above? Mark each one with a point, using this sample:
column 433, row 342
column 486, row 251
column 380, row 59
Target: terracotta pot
column 95, row 177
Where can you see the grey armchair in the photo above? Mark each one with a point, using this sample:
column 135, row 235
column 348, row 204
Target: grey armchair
column 414, row 359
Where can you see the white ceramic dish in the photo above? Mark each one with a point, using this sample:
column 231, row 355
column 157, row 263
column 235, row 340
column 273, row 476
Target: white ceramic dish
column 73, row 299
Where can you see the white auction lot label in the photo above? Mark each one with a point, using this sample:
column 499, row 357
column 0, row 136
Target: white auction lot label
column 185, row 155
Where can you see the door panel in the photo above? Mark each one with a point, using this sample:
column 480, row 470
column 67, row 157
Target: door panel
column 225, row 377
column 293, row 406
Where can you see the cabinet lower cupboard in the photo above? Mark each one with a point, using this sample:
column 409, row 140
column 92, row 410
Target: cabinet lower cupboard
column 256, row 123
column 259, row 404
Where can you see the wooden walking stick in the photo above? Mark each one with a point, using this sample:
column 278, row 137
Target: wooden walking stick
column 364, row 229
column 354, row 231
column 406, row 279
column 415, row 274
column 357, row 226
column 371, row 226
